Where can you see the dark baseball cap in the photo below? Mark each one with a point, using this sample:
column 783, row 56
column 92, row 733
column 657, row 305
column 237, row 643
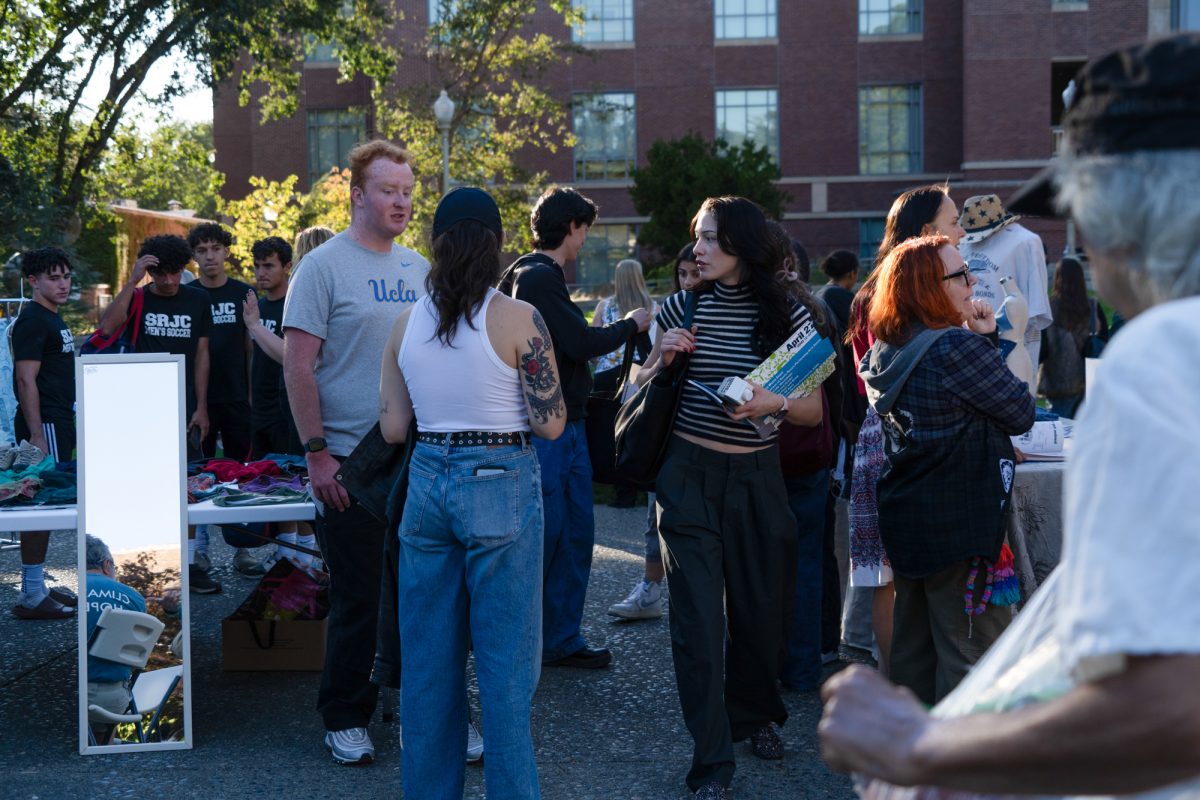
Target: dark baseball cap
column 467, row 202
column 1145, row 97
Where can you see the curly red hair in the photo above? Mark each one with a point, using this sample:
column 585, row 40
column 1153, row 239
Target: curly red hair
column 909, row 290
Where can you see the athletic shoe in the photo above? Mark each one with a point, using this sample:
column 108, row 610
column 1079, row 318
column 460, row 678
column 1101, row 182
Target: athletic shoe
column 713, row 790
column 28, row 454
column 47, row 608
column 243, row 559
column 583, row 658
column 260, row 568
column 644, row 602
column 201, row 582
column 351, row 746
column 202, row 562
column 474, row 744
column 766, row 744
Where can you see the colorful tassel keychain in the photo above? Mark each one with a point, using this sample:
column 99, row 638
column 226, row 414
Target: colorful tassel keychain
column 1006, row 586
column 1001, row 586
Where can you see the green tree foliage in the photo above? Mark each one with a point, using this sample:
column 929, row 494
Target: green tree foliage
column 681, row 173
column 271, row 209
column 52, row 141
column 482, row 53
column 173, row 162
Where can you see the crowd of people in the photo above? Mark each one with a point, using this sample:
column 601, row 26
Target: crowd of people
column 490, row 369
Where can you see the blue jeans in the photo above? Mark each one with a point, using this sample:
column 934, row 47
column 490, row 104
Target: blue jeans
column 570, row 534
column 802, row 649
column 470, row 575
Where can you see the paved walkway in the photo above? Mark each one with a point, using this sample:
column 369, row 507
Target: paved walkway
column 614, row 733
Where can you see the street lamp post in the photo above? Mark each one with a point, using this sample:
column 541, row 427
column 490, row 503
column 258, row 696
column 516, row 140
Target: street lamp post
column 443, row 109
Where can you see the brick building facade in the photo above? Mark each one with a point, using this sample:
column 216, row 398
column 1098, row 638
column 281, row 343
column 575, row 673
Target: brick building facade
column 858, row 100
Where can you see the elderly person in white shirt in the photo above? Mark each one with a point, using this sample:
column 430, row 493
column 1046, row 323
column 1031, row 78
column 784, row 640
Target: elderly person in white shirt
column 1127, row 622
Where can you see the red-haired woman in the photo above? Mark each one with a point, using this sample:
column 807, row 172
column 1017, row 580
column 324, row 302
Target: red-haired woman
column 948, row 404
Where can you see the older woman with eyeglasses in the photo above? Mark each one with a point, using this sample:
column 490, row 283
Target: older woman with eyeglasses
column 948, row 404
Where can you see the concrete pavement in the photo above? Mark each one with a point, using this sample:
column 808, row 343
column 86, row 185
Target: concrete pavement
column 614, row 733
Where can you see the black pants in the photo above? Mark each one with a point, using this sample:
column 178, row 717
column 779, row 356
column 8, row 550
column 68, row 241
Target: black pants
column 730, row 555
column 352, row 545
column 232, row 422
column 271, row 437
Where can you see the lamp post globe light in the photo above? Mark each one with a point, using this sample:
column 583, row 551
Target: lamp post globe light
column 443, row 110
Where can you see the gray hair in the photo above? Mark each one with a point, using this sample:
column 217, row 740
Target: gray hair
column 97, row 552
column 1141, row 210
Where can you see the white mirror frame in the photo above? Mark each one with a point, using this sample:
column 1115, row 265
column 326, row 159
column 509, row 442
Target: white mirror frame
column 99, row 467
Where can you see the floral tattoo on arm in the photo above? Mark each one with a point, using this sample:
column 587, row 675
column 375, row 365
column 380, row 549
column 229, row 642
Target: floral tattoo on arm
column 542, row 389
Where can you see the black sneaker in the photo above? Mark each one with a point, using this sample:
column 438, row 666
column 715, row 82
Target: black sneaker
column 583, row 658
column 201, row 582
column 766, row 744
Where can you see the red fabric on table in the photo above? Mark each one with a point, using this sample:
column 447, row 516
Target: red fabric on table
column 226, row 469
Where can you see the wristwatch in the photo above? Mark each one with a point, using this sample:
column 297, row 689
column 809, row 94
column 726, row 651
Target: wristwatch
column 314, row 445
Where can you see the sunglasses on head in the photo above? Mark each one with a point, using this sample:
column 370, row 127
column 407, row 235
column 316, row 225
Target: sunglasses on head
column 964, row 273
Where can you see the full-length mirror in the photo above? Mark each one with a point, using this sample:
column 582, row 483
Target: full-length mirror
column 134, row 681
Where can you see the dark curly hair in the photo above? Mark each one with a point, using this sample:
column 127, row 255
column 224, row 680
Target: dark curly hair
column 554, row 212
column 43, row 260
column 465, row 264
column 263, row 248
column 209, row 232
column 742, row 231
column 173, row 253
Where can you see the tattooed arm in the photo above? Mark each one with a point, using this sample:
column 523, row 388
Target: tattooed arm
column 395, row 404
column 543, row 395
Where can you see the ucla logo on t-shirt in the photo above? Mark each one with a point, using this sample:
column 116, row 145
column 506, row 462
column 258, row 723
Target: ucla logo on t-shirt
column 68, row 343
column 384, row 294
column 174, row 326
column 224, row 313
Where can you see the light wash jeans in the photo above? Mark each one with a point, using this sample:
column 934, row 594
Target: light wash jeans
column 470, row 575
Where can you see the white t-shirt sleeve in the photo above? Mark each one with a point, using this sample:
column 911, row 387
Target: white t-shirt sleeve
column 1131, row 555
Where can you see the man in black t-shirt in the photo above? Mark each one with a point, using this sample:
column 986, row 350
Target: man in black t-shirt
column 175, row 319
column 229, row 344
column 43, row 354
column 264, row 323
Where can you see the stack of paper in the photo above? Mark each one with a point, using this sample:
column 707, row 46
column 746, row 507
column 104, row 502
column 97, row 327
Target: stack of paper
column 1045, row 441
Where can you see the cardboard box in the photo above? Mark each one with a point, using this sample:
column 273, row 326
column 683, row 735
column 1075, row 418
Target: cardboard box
column 279, row 645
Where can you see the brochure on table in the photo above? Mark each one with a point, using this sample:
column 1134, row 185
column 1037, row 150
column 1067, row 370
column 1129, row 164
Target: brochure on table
column 1045, row 441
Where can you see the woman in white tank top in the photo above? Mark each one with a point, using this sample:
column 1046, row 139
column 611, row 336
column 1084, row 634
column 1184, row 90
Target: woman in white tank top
column 477, row 369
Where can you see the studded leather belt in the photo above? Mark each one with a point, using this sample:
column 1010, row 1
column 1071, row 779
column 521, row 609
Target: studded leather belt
column 474, row 438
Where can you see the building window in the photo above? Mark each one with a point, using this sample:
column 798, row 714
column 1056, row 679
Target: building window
column 889, row 130
column 1185, row 15
column 870, row 236
column 604, row 247
column 749, row 114
column 888, row 17
column 440, row 9
column 744, row 19
column 331, row 134
column 319, row 52
column 605, row 21
column 605, row 136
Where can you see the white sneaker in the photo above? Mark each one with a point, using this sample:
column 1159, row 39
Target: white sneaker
column 351, row 746
column 474, row 744
column 244, row 560
column 644, row 602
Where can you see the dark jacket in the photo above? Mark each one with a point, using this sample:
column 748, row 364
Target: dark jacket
column 948, row 404
column 538, row 280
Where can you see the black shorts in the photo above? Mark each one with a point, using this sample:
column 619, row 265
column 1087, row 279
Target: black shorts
column 60, row 436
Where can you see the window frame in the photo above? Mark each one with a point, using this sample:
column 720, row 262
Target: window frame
column 914, row 15
column 916, row 130
column 772, row 146
column 582, row 103
column 579, row 36
column 311, row 126
column 722, row 16
column 606, row 257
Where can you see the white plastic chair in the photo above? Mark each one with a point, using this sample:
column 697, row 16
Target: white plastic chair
column 128, row 637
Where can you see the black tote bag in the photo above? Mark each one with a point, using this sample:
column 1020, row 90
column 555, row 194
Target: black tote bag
column 644, row 424
column 601, row 422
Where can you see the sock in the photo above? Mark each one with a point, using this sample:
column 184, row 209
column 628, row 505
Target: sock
column 33, row 581
column 202, row 538
column 282, row 551
column 309, row 541
column 192, row 550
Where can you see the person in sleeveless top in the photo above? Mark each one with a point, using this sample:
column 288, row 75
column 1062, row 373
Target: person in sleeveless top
column 477, row 370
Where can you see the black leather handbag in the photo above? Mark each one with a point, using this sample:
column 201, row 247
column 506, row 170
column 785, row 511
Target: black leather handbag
column 644, row 424
column 602, row 409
